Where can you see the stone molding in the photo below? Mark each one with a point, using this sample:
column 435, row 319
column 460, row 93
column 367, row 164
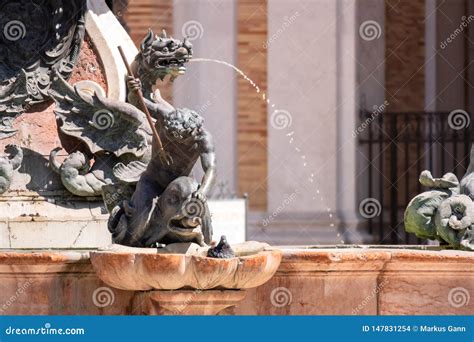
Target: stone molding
column 310, row 281
column 107, row 34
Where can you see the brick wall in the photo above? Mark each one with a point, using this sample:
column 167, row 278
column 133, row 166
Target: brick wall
column 405, row 54
column 252, row 110
column 404, row 84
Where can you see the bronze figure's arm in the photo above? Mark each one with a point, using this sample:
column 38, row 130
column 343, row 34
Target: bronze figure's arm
column 164, row 156
column 159, row 108
column 208, row 163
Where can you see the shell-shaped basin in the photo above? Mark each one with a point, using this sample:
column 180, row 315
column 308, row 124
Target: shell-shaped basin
column 142, row 270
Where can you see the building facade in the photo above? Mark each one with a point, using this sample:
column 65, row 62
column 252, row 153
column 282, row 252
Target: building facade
column 282, row 84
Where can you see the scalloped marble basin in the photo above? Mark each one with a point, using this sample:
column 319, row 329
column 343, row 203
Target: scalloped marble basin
column 141, row 269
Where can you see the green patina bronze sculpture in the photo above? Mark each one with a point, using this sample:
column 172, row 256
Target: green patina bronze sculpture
column 446, row 212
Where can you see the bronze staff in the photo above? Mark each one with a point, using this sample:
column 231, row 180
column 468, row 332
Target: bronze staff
column 165, row 157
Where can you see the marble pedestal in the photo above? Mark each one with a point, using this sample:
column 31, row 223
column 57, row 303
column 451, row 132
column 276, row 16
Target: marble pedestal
column 186, row 302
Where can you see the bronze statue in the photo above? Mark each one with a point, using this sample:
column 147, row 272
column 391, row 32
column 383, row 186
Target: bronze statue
column 150, row 195
column 446, row 211
column 113, row 133
column 167, row 205
column 142, row 221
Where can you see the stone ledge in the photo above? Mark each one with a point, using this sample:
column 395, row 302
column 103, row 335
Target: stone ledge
column 310, row 281
column 291, row 256
column 375, row 259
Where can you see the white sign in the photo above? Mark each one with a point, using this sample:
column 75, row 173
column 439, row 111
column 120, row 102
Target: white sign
column 229, row 218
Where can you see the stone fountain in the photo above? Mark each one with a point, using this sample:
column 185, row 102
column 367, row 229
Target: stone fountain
column 117, row 156
column 95, row 197
column 190, row 283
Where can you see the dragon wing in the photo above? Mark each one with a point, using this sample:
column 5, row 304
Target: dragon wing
column 129, row 173
column 103, row 124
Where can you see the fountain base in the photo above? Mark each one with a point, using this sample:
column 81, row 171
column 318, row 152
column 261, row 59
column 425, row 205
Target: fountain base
column 186, row 302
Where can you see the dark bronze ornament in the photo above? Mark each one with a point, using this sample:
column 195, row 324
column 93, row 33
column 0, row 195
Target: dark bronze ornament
column 37, row 38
